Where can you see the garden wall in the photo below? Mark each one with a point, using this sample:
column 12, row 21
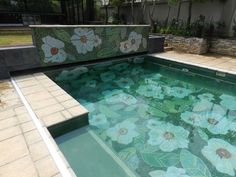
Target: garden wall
column 188, row 45
column 70, row 43
column 223, row 46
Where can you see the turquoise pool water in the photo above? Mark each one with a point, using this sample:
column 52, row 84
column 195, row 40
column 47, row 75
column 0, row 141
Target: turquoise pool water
column 151, row 121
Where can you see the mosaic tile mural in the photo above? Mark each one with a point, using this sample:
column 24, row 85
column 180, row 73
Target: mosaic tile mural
column 68, row 44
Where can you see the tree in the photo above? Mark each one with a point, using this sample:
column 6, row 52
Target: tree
column 132, row 11
column 176, row 3
column 151, row 14
column 117, row 4
column 190, row 10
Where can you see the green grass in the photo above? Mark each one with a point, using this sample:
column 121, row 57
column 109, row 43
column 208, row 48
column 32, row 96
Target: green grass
column 15, row 39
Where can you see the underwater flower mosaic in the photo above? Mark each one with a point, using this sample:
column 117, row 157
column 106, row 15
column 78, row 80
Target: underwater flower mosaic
column 159, row 122
column 72, row 44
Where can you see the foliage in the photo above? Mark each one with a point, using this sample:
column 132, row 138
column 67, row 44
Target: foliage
column 198, row 28
column 33, row 5
column 117, row 3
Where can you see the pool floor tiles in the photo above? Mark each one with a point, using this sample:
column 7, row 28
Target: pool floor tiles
column 98, row 159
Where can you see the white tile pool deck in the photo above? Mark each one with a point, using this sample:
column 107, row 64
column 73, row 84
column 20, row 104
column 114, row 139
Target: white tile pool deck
column 23, row 153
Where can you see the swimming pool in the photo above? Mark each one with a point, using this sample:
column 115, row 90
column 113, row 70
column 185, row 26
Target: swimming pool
column 151, row 119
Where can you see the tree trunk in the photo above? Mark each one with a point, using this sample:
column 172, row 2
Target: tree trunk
column 106, row 13
column 25, row 5
column 132, row 11
column 179, row 8
column 90, row 10
column 118, row 14
column 168, row 15
column 78, row 12
column 82, row 7
column 189, row 13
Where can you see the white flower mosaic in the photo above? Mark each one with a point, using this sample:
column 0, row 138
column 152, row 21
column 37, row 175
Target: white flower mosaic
column 123, row 132
column 228, row 101
column 222, row 155
column 53, row 50
column 99, row 120
column 132, row 44
column 169, row 137
column 85, row 40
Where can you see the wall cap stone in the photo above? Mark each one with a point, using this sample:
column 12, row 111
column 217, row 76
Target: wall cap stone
column 75, row 26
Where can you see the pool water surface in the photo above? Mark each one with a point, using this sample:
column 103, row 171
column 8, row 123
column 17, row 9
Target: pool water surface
column 158, row 121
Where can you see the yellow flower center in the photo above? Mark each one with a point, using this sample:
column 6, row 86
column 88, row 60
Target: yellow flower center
column 223, row 153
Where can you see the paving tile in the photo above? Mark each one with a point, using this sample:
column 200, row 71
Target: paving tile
column 77, row 110
column 10, row 95
column 27, row 83
column 66, row 114
column 7, row 114
column 12, row 149
column 9, row 104
column 43, row 103
column 53, row 88
column 10, row 122
column 47, row 83
column 22, row 167
column 28, row 126
column 70, row 103
column 39, row 96
column 63, row 97
column 49, row 110
column 9, row 132
column 32, row 89
column 46, row 167
column 58, row 92
column 22, row 118
column 23, row 78
column 32, row 137
column 53, row 119
column 40, row 76
column 38, row 150
column 20, row 110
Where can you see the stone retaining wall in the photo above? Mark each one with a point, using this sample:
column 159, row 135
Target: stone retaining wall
column 223, row 46
column 189, row 45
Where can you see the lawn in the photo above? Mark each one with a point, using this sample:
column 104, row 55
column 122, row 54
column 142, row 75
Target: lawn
column 15, row 39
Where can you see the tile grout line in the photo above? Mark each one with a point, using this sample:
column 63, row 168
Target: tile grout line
column 56, row 157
